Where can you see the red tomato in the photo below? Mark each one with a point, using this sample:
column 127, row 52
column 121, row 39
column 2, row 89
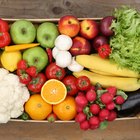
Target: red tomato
column 55, row 72
column 37, row 82
column 104, row 51
column 70, row 83
column 83, row 83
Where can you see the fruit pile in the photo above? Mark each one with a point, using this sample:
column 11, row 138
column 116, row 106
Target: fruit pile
column 50, row 61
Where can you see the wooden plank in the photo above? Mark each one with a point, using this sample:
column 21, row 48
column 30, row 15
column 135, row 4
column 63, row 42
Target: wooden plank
column 56, row 9
column 118, row 130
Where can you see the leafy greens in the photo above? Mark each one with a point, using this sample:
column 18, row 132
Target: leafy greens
column 125, row 43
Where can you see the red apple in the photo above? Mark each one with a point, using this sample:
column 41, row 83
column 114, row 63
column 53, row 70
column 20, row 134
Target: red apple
column 80, row 46
column 89, row 29
column 69, row 25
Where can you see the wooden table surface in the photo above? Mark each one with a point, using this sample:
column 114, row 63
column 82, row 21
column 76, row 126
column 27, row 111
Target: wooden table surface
column 118, row 130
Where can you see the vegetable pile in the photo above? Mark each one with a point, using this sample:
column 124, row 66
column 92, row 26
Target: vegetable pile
column 125, row 43
column 75, row 69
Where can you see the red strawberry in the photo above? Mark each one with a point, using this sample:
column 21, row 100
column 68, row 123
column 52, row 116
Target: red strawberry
column 119, row 100
column 106, row 98
column 112, row 90
column 112, row 116
column 84, row 125
column 32, row 71
column 94, row 109
column 80, row 117
column 22, row 64
column 25, row 78
column 52, row 117
column 79, row 108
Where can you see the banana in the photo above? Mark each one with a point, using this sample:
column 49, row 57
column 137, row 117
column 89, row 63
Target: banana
column 94, row 62
column 123, row 83
column 101, row 72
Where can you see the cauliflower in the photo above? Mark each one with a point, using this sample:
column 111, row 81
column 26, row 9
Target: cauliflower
column 13, row 95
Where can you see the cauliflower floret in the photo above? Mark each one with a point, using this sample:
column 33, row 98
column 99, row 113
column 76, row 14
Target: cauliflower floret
column 13, row 95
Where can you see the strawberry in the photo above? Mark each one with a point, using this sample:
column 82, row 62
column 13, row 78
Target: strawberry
column 32, row 71
column 25, row 78
column 22, row 64
column 112, row 90
column 52, row 117
column 119, row 100
column 80, row 117
column 95, row 109
column 106, row 98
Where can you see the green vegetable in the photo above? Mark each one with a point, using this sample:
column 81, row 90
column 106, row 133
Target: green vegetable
column 125, row 43
column 24, row 116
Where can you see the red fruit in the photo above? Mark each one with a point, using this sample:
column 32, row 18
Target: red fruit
column 91, row 95
column 49, row 53
column 106, row 98
column 84, row 125
column 110, row 106
column 119, row 100
column 20, row 72
column 112, row 90
column 112, row 116
column 22, row 64
column 32, row 71
column 25, row 78
column 4, row 27
column 83, row 83
column 80, row 117
column 52, row 117
column 104, row 114
column 104, row 51
column 79, row 108
column 94, row 109
column 94, row 121
column 81, row 100
column 70, row 83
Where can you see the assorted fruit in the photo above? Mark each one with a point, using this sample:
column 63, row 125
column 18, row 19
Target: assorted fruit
column 70, row 70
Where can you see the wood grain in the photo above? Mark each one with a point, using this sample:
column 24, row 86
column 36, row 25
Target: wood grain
column 118, row 130
column 58, row 8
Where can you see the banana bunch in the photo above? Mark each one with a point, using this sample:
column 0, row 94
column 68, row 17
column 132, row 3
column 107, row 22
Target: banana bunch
column 107, row 73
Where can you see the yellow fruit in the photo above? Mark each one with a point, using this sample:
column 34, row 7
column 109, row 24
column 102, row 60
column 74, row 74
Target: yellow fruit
column 95, row 62
column 123, row 83
column 53, row 91
column 102, row 72
column 37, row 108
column 9, row 60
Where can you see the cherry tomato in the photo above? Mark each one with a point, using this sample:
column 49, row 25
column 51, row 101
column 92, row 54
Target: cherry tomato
column 37, row 82
column 55, row 72
column 22, row 64
column 70, row 83
column 104, row 51
column 83, row 83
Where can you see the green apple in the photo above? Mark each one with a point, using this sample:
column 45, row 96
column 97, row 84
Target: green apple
column 22, row 32
column 46, row 34
column 36, row 57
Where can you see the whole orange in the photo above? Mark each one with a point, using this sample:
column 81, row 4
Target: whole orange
column 37, row 108
column 66, row 110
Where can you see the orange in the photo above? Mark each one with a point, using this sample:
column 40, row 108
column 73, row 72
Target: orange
column 65, row 110
column 53, row 91
column 37, row 108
